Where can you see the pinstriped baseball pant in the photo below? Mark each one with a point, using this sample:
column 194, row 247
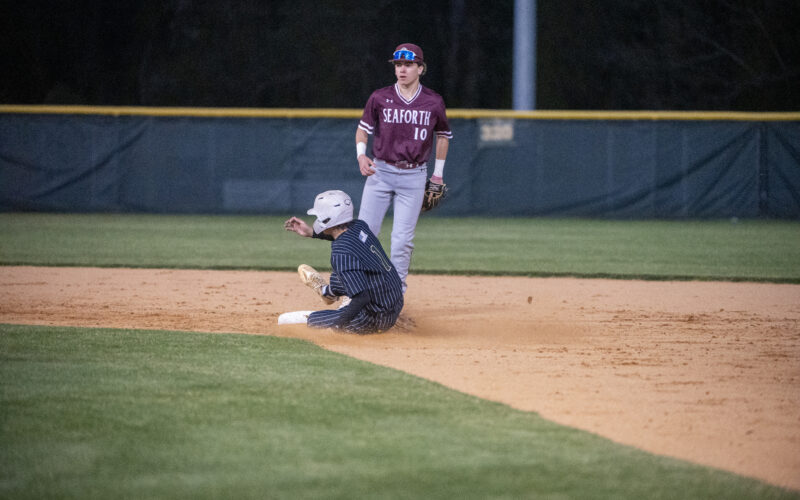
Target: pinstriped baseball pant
column 362, row 323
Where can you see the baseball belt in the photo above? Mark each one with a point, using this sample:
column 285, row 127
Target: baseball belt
column 406, row 165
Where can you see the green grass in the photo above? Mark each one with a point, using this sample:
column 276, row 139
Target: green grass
column 101, row 413
column 758, row 250
column 653, row 249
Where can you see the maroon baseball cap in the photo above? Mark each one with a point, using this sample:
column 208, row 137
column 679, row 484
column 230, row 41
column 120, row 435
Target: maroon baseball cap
column 408, row 52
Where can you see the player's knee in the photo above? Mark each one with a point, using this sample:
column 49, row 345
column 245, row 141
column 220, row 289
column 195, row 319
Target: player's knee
column 402, row 248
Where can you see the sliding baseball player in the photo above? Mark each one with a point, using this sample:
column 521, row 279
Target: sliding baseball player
column 361, row 271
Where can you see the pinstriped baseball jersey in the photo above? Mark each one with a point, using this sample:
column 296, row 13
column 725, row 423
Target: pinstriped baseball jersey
column 359, row 263
column 403, row 129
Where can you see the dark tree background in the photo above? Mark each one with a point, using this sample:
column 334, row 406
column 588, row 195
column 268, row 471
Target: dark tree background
column 671, row 54
column 603, row 54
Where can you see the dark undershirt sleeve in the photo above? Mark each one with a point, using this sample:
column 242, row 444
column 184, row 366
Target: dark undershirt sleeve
column 357, row 303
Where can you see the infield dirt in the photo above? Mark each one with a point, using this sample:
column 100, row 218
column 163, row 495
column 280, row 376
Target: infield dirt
column 703, row 371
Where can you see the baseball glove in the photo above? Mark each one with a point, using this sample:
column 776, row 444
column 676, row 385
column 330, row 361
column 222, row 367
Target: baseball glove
column 434, row 194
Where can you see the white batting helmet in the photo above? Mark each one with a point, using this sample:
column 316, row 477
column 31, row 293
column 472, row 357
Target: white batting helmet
column 331, row 208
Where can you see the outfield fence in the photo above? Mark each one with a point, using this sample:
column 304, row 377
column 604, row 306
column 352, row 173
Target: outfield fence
column 501, row 163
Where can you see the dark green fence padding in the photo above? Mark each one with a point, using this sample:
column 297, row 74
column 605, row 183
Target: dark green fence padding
column 497, row 166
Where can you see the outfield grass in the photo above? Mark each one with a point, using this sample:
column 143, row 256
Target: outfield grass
column 101, row 413
column 759, row 250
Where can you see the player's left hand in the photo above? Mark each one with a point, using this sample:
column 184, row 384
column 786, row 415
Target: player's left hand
column 434, row 194
column 298, row 226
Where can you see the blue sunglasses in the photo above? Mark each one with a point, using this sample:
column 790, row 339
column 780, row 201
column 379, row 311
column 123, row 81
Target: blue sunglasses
column 404, row 55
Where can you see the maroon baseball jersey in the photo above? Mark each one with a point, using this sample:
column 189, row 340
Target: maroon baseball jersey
column 404, row 129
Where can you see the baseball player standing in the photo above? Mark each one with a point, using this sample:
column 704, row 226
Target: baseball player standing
column 403, row 119
column 361, row 271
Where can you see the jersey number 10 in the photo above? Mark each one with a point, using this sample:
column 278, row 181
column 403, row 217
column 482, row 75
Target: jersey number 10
column 420, row 134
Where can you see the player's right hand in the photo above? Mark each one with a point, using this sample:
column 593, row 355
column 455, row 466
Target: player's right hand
column 298, row 226
column 366, row 165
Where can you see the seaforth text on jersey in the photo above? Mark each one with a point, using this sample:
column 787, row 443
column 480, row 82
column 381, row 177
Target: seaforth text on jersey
column 412, row 116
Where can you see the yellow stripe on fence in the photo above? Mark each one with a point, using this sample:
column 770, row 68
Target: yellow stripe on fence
column 356, row 113
column 183, row 111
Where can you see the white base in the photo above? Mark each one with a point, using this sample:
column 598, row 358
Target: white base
column 294, row 318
